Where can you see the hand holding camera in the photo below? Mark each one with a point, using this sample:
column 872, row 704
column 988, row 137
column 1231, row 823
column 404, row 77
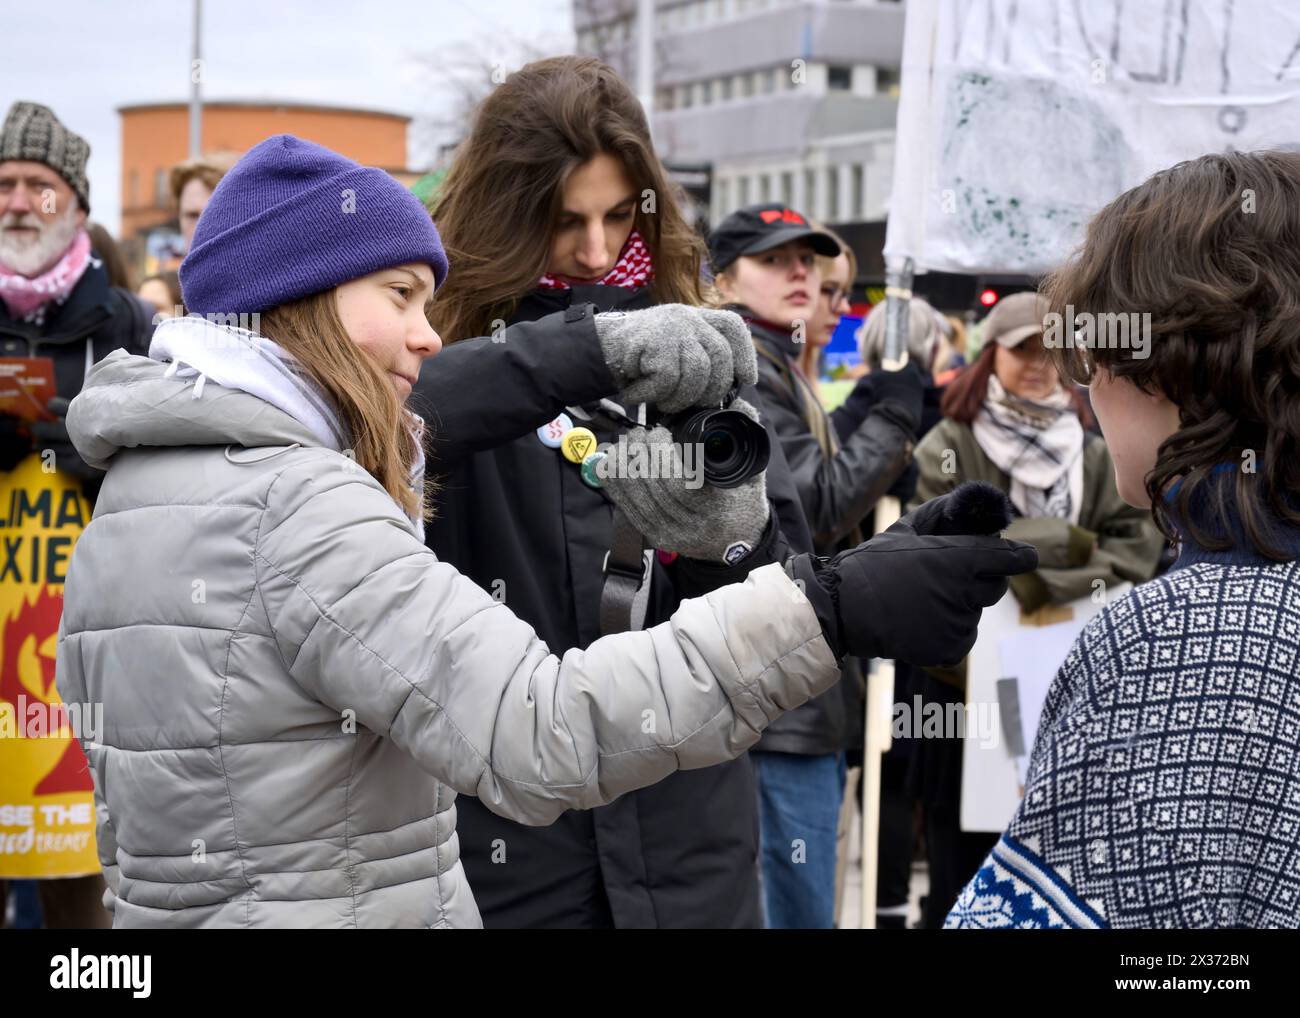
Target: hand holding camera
column 674, row 356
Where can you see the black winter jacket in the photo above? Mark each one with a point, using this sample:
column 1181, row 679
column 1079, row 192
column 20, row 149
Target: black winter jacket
column 837, row 495
column 515, row 516
column 95, row 320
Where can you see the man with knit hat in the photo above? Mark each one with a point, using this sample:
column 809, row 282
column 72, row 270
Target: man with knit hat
column 58, row 316
column 55, row 299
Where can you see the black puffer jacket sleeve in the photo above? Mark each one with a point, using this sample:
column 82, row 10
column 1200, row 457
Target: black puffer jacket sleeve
column 849, row 415
column 481, row 393
column 836, row 493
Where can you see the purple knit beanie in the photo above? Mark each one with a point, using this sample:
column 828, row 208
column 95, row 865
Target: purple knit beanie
column 293, row 218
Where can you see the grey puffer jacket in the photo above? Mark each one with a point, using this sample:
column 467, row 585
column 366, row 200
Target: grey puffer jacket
column 295, row 688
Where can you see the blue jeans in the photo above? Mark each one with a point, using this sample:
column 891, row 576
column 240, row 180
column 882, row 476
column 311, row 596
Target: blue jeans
column 799, row 801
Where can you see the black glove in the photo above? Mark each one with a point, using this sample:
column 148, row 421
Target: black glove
column 905, row 389
column 53, row 435
column 904, row 489
column 15, row 443
column 915, row 592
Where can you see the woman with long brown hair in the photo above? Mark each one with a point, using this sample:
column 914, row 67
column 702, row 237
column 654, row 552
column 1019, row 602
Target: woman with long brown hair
column 556, row 201
column 557, row 207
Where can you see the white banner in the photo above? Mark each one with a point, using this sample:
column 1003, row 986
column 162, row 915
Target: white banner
column 1019, row 119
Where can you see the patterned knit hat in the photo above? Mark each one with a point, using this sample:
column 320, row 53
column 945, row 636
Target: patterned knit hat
column 32, row 132
column 293, row 219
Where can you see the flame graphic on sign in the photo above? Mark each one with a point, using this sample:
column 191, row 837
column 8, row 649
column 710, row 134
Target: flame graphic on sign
column 39, row 622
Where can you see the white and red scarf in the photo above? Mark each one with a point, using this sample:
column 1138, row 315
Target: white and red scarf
column 26, row 298
column 633, row 270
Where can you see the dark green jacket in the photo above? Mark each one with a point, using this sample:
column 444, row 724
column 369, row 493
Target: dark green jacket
column 1112, row 541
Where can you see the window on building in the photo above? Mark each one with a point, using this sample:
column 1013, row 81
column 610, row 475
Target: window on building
column 706, row 93
column 769, row 80
column 664, row 99
column 724, row 198
column 133, row 189
column 887, row 81
column 742, row 192
column 787, row 188
column 724, row 89
column 810, row 192
column 161, row 192
column 857, row 178
column 832, row 194
column 746, row 85
column 688, row 96
column 764, row 188
column 839, row 78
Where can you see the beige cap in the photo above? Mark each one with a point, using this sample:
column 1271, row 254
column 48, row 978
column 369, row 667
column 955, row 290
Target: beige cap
column 1015, row 318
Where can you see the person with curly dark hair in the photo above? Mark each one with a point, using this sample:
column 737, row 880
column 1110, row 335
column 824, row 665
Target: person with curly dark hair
column 1164, row 784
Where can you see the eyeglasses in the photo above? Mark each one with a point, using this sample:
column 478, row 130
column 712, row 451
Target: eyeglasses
column 834, row 294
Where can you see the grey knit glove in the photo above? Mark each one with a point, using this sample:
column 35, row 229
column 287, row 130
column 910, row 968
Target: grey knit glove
column 674, row 356
column 680, row 512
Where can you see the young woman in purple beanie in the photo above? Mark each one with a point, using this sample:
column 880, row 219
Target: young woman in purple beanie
column 294, row 688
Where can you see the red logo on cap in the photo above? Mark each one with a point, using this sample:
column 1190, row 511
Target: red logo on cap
column 770, row 216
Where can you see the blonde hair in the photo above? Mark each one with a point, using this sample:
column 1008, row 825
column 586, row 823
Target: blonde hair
column 209, row 169
column 810, row 355
column 827, row 265
column 369, row 408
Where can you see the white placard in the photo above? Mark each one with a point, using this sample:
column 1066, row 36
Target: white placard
column 1019, row 119
column 991, row 777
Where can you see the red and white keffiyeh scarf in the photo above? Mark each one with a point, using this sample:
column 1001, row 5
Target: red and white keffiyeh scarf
column 633, row 270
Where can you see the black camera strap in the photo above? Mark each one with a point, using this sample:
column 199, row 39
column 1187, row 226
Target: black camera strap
column 627, row 567
column 625, row 573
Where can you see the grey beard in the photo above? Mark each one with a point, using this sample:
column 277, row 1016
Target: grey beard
column 31, row 258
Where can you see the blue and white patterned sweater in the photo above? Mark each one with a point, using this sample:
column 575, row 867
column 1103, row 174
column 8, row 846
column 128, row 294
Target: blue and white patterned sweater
column 1164, row 785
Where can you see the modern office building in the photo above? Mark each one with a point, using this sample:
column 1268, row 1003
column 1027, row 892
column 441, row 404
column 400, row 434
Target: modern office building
column 780, row 100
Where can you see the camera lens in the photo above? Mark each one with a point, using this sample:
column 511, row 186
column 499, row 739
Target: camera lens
column 719, row 446
column 734, row 447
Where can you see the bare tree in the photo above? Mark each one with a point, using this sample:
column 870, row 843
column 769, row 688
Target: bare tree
column 456, row 79
column 604, row 19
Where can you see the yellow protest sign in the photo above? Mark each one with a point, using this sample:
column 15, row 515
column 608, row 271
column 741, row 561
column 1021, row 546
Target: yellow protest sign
column 47, row 815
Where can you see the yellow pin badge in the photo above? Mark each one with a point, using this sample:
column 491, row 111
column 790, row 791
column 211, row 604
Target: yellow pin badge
column 578, row 444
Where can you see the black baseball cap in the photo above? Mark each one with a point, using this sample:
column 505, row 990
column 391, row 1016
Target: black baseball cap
column 758, row 228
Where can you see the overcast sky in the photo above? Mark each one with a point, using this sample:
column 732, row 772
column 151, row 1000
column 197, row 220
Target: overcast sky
column 85, row 58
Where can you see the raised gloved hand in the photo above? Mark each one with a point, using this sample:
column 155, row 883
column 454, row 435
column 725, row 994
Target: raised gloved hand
column 683, row 513
column 53, row 435
column 674, row 356
column 915, row 592
column 905, row 389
